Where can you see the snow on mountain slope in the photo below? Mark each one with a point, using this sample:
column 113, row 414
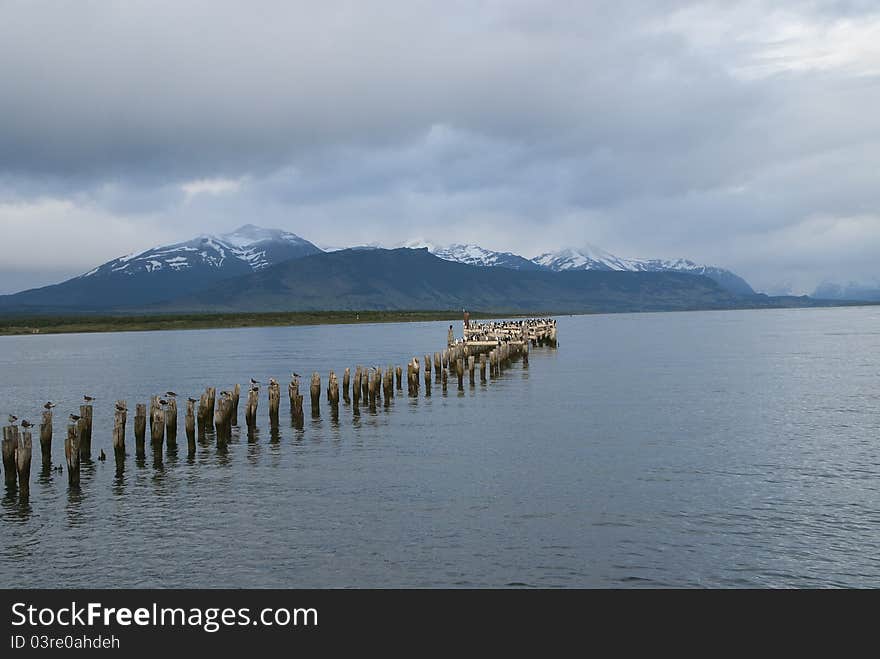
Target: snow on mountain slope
column 247, row 249
column 594, row 258
column 474, row 255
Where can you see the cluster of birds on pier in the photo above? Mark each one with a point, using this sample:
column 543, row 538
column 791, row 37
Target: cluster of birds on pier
column 504, row 331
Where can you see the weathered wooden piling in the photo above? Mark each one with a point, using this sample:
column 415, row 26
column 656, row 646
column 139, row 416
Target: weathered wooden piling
column 437, row 366
column 346, row 381
column 296, row 402
column 459, row 372
column 171, row 422
column 223, row 420
column 157, row 427
column 472, row 360
column 492, row 372
column 356, row 388
column 71, row 452
column 46, row 437
column 10, row 443
column 410, row 389
column 365, row 384
column 388, row 384
column 250, row 410
column 332, row 389
column 140, row 428
column 120, row 416
column 371, row 390
column 315, row 394
column 444, row 378
column 399, row 373
column 23, row 462
column 211, row 401
column 274, row 403
column 525, row 353
column 85, row 445
column 236, row 394
column 202, row 414
column 189, row 424
column 482, row 367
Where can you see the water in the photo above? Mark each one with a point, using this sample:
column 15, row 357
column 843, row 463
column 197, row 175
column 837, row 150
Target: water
column 715, row 449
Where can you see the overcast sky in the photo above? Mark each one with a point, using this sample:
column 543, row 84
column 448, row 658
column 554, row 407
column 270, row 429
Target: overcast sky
column 745, row 135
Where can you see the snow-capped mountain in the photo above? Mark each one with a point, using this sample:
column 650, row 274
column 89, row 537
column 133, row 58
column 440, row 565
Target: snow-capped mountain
column 594, row 258
column 247, row 249
column 474, row 255
column 167, row 271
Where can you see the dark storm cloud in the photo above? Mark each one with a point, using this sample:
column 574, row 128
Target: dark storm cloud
column 716, row 131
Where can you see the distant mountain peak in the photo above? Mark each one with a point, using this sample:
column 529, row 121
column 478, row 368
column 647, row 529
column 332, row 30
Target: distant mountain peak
column 591, row 257
column 472, row 254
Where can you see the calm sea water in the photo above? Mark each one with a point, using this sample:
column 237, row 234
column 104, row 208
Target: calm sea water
column 721, row 449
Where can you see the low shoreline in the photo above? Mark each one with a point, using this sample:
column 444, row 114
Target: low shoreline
column 38, row 325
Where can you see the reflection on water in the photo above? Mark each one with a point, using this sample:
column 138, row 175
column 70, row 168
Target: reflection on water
column 692, row 449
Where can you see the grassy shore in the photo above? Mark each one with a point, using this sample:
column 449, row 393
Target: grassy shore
column 10, row 325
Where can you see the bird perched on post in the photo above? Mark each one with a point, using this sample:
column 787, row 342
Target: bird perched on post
column 295, row 375
column 254, row 382
column 88, row 399
column 26, row 424
column 121, row 408
column 49, row 405
column 171, row 394
column 193, row 400
column 12, row 419
column 163, row 402
column 75, row 417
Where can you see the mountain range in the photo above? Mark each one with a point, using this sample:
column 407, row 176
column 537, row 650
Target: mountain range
column 255, row 269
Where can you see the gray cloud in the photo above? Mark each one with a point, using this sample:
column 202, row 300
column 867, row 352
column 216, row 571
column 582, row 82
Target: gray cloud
column 730, row 133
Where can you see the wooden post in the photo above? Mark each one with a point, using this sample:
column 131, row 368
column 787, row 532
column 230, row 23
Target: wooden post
column 274, row 403
column 388, row 384
column 10, row 442
column 492, row 364
column 23, row 462
column 459, row 372
column 157, row 427
column 46, row 438
column 332, row 389
column 296, row 403
column 140, row 428
column 236, row 394
column 346, row 381
column 399, row 372
column 409, row 379
column 356, row 388
column 444, row 378
column 250, row 411
column 450, row 337
column 315, row 394
column 171, row 422
column 211, row 401
column 437, row 366
column 525, row 352
column 220, row 419
column 190, row 425
column 365, row 384
column 471, row 363
column 482, row 367
column 119, row 418
column 71, row 452
column 371, row 390
column 85, row 446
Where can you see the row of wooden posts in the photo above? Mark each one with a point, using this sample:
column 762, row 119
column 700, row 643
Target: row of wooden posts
column 369, row 385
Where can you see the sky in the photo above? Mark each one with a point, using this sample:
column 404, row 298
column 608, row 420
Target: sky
column 740, row 134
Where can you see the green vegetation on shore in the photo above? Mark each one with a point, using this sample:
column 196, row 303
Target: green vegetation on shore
column 142, row 323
